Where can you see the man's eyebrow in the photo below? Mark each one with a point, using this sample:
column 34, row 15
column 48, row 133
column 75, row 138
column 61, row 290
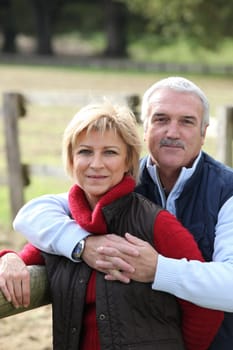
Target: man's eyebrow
column 159, row 114
column 190, row 117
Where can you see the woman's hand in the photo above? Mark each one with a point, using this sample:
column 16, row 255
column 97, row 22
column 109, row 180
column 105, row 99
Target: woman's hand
column 14, row 280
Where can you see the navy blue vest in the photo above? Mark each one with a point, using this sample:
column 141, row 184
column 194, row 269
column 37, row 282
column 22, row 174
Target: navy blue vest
column 197, row 208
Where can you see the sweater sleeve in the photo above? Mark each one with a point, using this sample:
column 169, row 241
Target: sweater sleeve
column 171, row 239
column 29, row 254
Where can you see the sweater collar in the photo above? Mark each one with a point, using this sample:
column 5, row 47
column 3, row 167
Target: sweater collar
column 93, row 220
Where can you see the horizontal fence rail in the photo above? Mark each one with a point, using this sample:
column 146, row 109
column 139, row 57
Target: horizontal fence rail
column 15, row 106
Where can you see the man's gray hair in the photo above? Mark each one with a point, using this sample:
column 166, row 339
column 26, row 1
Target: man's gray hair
column 179, row 84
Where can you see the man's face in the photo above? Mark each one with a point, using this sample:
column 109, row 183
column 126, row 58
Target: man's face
column 173, row 134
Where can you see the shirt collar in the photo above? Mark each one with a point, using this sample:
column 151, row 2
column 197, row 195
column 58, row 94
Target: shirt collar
column 185, row 173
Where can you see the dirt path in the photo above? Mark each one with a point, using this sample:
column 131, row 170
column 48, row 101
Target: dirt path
column 29, row 330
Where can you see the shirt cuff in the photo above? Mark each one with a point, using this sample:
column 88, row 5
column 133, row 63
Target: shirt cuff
column 166, row 274
column 66, row 246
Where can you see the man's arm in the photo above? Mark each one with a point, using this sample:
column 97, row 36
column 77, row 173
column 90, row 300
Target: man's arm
column 206, row 284
column 46, row 223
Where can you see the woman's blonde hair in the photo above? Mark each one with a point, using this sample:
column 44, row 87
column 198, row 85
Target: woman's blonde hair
column 103, row 116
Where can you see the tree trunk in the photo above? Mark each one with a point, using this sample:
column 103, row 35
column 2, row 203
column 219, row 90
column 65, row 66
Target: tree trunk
column 43, row 22
column 8, row 28
column 116, row 21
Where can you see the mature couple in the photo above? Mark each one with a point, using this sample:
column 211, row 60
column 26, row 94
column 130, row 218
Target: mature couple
column 159, row 259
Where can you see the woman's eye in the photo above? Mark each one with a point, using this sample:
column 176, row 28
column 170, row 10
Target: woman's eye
column 110, row 151
column 84, row 151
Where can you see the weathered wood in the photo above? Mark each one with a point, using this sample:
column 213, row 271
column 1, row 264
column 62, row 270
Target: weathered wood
column 12, row 109
column 39, row 293
column 78, row 98
column 225, row 135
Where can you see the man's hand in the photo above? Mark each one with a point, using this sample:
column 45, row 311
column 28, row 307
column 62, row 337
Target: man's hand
column 14, row 280
column 121, row 258
column 117, row 248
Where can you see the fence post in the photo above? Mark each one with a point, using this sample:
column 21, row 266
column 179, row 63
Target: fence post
column 13, row 108
column 225, row 135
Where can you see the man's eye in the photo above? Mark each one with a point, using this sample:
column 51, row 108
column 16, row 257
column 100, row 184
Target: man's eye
column 188, row 121
column 160, row 120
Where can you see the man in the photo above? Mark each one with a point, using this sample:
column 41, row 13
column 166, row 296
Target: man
column 182, row 179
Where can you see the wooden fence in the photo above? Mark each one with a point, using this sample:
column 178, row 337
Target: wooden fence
column 225, row 135
column 14, row 107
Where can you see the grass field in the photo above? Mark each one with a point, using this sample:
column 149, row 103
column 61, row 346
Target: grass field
column 41, row 129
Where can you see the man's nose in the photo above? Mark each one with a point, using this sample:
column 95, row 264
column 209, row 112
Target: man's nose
column 173, row 130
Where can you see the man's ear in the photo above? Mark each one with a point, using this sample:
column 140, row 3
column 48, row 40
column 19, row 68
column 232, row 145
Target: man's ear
column 204, row 134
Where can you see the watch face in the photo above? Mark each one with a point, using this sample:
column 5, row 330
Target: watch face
column 78, row 249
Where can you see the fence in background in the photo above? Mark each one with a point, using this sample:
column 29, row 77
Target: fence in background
column 225, row 135
column 14, row 107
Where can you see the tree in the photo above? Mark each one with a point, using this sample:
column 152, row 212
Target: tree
column 116, row 28
column 8, row 26
column 199, row 20
column 46, row 13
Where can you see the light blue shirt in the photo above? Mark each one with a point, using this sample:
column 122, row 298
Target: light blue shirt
column 44, row 221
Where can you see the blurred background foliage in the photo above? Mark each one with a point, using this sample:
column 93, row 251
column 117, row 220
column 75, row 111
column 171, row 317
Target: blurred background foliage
column 120, row 28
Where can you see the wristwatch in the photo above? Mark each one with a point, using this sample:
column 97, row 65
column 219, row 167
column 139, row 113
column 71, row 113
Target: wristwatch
column 78, row 250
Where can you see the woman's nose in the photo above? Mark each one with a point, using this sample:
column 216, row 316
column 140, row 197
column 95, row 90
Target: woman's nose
column 96, row 161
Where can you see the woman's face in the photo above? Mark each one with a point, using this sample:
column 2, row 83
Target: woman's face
column 99, row 163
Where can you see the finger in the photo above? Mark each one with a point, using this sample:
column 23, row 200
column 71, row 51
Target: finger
column 114, row 263
column 116, row 275
column 26, row 292
column 134, row 240
column 6, row 293
column 13, row 297
column 25, row 286
column 22, row 288
column 108, row 251
column 18, row 294
column 122, row 245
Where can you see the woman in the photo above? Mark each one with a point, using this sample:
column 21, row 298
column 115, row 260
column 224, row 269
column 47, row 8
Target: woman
column 101, row 150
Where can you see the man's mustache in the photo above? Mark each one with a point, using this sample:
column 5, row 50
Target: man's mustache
column 172, row 143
